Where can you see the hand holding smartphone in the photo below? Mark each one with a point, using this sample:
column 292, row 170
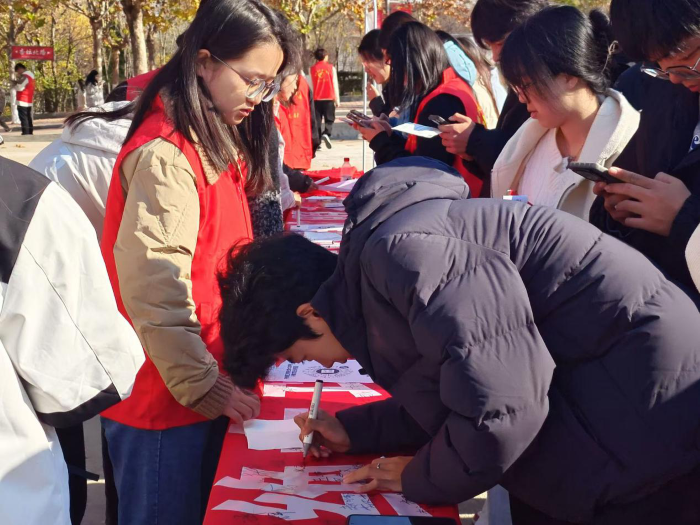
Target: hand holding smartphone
column 359, row 118
column 593, row 172
column 438, row 120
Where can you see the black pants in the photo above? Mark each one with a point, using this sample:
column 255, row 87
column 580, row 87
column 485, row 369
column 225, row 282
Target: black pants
column 25, row 118
column 677, row 503
column 325, row 109
column 72, row 442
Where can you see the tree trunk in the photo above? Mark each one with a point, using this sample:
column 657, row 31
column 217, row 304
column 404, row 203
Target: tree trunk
column 114, row 77
column 97, row 26
column 133, row 10
column 151, row 48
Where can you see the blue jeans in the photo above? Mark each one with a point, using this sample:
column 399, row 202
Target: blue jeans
column 163, row 477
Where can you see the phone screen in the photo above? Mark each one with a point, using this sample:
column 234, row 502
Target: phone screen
column 398, row 520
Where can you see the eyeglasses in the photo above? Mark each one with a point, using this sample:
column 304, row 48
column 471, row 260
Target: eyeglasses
column 256, row 87
column 682, row 72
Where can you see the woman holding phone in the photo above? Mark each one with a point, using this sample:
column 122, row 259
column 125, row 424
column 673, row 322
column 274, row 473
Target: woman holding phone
column 422, row 84
column 558, row 62
column 176, row 203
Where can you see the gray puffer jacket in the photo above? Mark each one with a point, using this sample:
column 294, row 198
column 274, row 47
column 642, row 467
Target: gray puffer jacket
column 521, row 346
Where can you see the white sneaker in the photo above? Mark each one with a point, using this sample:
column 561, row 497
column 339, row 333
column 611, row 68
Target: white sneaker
column 327, row 141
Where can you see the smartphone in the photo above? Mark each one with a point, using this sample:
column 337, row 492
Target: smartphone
column 359, row 119
column 359, row 114
column 356, row 519
column 437, row 119
column 593, row 172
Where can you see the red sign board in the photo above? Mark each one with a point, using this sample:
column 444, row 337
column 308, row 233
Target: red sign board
column 394, row 6
column 32, row 53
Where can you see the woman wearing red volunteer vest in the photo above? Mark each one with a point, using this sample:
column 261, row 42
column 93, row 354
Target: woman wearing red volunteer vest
column 301, row 152
column 421, row 84
column 177, row 203
column 287, row 119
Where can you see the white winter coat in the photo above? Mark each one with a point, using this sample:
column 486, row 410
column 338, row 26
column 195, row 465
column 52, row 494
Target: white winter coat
column 613, row 128
column 66, row 353
column 82, row 161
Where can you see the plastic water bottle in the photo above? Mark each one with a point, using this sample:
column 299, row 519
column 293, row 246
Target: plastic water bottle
column 346, row 170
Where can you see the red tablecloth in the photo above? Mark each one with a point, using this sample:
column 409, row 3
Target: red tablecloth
column 235, row 455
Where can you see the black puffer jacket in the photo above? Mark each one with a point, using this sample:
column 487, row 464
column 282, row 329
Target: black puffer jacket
column 520, row 344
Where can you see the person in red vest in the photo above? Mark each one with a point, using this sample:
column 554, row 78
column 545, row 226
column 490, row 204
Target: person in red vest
column 299, row 152
column 324, row 77
column 293, row 124
column 176, row 204
column 422, row 84
column 24, row 85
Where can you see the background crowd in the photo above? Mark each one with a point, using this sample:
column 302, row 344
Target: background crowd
column 548, row 346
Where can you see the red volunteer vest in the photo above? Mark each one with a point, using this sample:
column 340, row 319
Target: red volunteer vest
column 136, row 85
column 299, row 149
column 322, row 80
column 453, row 85
column 282, row 123
column 27, row 94
column 224, row 221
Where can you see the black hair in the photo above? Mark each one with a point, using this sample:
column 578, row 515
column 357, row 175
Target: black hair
column 92, row 77
column 229, row 28
column 118, row 94
column 262, row 286
column 418, row 60
column 492, row 20
column 369, row 46
column 654, row 29
column 320, row 54
column 555, row 41
column 390, row 24
column 20, row 66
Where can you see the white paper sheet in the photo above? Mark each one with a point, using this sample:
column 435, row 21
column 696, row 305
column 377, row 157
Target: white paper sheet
column 403, row 507
column 291, row 413
column 310, row 371
column 356, row 389
column 327, row 236
column 317, row 228
column 308, row 482
column 265, row 434
column 298, row 508
column 427, row 132
column 343, row 186
column 360, row 504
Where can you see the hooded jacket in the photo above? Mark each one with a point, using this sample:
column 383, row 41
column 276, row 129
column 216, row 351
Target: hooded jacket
column 82, row 160
column 66, row 353
column 520, row 345
column 613, row 128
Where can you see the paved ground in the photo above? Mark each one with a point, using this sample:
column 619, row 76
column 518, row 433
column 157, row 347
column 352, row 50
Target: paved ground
column 23, row 149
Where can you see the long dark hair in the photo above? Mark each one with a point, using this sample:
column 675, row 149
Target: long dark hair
column 390, row 24
column 228, row 28
column 555, row 41
column 92, row 77
column 418, row 60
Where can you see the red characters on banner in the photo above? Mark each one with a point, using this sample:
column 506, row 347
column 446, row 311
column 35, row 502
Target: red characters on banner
column 32, row 53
